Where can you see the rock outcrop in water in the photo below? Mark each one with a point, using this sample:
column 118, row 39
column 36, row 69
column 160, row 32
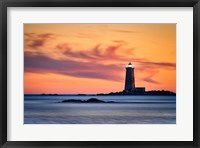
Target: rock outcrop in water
column 91, row 100
column 147, row 93
column 43, row 94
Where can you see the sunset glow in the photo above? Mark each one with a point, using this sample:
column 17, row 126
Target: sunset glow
column 91, row 58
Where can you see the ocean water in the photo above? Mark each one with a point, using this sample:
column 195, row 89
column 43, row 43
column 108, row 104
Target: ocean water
column 128, row 110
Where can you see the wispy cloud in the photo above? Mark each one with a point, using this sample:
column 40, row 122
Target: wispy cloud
column 123, row 31
column 33, row 40
column 99, row 62
column 158, row 64
column 43, row 64
column 123, row 42
column 150, row 74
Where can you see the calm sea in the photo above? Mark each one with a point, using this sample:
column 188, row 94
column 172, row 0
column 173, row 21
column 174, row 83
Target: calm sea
column 129, row 110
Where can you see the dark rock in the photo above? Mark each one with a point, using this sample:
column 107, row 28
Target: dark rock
column 72, row 101
column 81, row 94
column 94, row 100
column 43, row 94
column 91, row 100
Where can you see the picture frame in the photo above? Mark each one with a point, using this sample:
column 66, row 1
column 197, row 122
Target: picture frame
column 4, row 143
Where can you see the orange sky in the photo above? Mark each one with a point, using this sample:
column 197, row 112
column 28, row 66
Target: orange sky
column 91, row 58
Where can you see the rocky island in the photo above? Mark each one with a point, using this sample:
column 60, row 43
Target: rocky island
column 148, row 93
column 91, row 100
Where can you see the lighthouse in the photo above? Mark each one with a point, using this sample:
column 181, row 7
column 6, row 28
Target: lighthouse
column 130, row 79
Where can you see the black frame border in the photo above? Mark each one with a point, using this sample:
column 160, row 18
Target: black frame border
column 99, row 3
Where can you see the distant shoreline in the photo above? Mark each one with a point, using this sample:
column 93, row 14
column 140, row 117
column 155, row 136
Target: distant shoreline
column 147, row 93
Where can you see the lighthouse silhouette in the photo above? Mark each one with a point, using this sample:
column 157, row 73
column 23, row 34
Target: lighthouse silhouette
column 130, row 78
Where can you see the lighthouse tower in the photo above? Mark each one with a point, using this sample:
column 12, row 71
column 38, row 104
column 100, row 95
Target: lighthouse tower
column 130, row 79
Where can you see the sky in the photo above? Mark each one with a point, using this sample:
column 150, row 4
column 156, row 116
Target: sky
column 91, row 58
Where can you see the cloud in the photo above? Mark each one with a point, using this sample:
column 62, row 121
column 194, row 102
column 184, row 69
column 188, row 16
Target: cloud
column 158, row 64
column 123, row 42
column 123, row 31
column 111, row 53
column 83, row 35
column 116, row 51
column 99, row 62
column 33, row 40
column 43, row 64
column 37, row 43
column 150, row 80
column 151, row 72
column 97, row 53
